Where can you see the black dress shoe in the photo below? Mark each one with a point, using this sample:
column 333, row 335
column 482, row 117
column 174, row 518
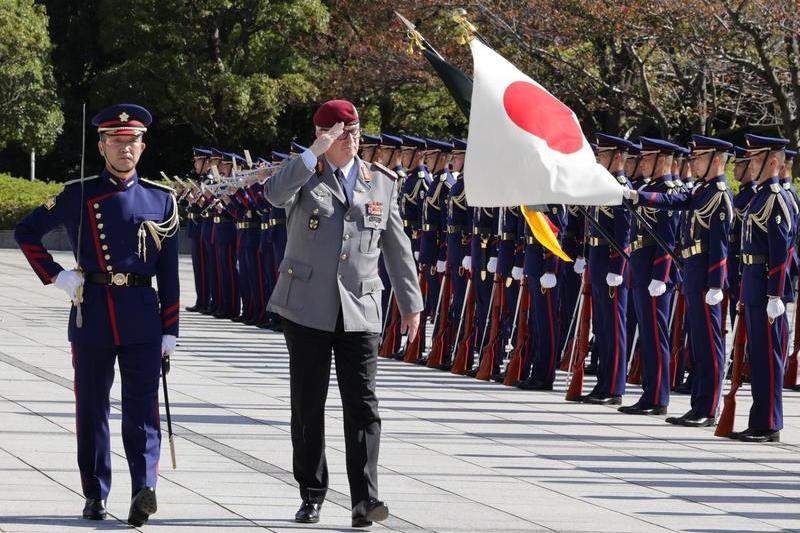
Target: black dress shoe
column 699, row 422
column 595, row 399
column 192, row 308
column 499, row 377
column 308, row 513
column 421, row 361
column 683, row 388
column 472, row 372
column 374, row 511
column 533, row 384
column 238, row 319
column 208, row 311
column 761, row 435
column 590, row 370
column 143, row 505
column 95, row 509
column 445, row 366
column 640, row 409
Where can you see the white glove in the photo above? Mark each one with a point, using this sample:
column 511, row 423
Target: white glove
column 441, row 266
column 613, row 280
column 579, row 266
column 629, row 194
column 656, row 288
column 548, row 280
column 516, row 273
column 69, row 281
column 467, row 263
column 168, row 344
column 713, row 296
column 491, row 266
column 416, row 256
column 775, row 307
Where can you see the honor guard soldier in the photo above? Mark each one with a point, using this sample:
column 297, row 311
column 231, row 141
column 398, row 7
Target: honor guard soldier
column 652, row 280
column 329, row 296
column 200, row 165
column 741, row 201
column 789, row 295
column 766, row 239
column 224, row 239
column 704, row 249
column 483, row 263
column 459, row 221
column 608, row 271
column 543, row 269
column 389, row 147
column 123, row 230
column 572, row 244
column 208, row 204
column 633, row 171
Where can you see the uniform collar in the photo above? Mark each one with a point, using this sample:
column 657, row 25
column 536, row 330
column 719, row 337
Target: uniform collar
column 771, row 181
column 120, row 185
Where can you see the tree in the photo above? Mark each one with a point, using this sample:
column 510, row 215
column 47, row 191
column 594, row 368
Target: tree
column 30, row 115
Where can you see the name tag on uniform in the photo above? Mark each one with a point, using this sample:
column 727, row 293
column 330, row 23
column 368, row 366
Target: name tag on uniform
column 374, row 211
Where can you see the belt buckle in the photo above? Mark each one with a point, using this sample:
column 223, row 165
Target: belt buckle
column 119, row 279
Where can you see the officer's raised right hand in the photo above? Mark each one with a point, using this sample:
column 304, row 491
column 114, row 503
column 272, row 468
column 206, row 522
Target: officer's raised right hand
column 630, row 194
column 68, row 281
column 326, row 139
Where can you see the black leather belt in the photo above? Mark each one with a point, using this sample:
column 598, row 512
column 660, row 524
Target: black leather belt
column 217, row 220
column 119, row 279
column 191, row 216
column 697, row 248
column 508, row 236
column 482, row 230
column 452, row 228
column 277, row 221
column 265, row 225
column 642, row 242
column 245, row 225
column 597, row 241
column 430, row 227
column 413, row 224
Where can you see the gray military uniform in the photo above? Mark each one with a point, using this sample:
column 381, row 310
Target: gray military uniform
column 332, row 252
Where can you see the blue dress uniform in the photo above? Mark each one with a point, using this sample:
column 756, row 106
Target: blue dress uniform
column 267, row 267
column 223, row 237
column 483, row 246
column 704, row 245
column 544, row 350
column 208, row 204
column 193, row 223
column 510, row 242
column 459, row 223
column 741, row 201
column 247, row 237
column 792, row 272
column 121, row 247
column 650, row 263
column 570, row 281
column 766, row 240
column 609, row 304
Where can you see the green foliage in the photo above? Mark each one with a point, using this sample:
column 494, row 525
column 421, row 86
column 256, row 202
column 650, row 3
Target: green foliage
column 18, row 197
column 30, row 114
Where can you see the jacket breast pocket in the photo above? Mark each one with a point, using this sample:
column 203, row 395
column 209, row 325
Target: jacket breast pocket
column 371, row 233
column 292, row 287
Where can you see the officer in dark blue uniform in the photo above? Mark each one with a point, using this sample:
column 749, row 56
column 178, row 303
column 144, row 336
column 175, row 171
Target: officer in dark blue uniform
column 704, row 245
column 482, row 264
column 207, row 204
column 652, row 280
column 123, row 231
column 766, row 240
column 789, row 295
column 608, row 271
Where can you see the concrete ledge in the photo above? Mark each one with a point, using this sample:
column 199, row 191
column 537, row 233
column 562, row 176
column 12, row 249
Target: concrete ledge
column 57, row 240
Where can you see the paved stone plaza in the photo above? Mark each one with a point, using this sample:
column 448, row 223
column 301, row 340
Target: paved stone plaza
column 457, row 454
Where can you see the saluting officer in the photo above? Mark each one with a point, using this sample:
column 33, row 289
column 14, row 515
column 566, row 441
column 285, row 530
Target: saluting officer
column 123, row 231
column 704, row 245
column 342, row 214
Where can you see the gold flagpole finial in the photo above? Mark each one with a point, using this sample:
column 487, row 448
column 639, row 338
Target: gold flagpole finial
column 468, row 29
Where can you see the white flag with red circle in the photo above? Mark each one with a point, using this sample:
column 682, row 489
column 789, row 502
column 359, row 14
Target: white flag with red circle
column 525, row 146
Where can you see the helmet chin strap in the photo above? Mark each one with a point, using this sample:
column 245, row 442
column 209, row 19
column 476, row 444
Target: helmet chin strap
column 708, row 167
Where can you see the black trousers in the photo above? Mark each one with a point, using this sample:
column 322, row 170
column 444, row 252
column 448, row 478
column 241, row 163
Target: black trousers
column 356, row 359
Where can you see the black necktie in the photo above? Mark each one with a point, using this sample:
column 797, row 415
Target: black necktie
column 340, row 176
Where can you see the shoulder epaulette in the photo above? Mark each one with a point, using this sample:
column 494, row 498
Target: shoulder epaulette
column 156, row 185
column 670, row 184
column 787, row 186
column 385, row 170
column 622, row 179
column 775, row 187
column 722, row 186
column 87, row 178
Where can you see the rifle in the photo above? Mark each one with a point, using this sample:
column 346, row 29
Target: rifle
column 489, row 349
column 413, row 351
column 390, row 327
column 581, row 345
column 679, row 332
column 566, row 354
column 635, row 371
column 790, row 375
column 726, row 419
column 438, row 344
column 463, row 349
column 514, row 368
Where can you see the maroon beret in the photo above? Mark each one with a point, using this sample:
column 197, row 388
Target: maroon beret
column 334, row 111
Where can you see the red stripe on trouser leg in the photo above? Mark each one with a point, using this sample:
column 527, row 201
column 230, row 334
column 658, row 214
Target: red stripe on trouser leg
column 715, row 397
column 657, row 339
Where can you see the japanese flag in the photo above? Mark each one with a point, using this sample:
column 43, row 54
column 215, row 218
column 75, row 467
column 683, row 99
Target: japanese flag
column 524, row 145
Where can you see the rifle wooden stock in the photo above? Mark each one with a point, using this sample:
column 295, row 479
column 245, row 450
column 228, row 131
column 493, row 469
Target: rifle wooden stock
column 414, row 348
column 439, row 343
column 389, row 345
column 726, row 419
column 635, row 372
column 790, row 375
column 491, row 348
column 575, row 388
column 677, row 339
column 565, row 362
column 514, row 368
column 464, row 346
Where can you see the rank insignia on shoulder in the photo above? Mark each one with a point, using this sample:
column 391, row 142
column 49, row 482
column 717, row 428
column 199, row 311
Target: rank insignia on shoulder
column 775, row 187
column 722, row 186
column 313, row 223
column 50, row 203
